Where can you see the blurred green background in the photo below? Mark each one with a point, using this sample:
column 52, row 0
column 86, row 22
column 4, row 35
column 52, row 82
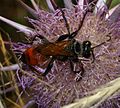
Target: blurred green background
column 12, row 10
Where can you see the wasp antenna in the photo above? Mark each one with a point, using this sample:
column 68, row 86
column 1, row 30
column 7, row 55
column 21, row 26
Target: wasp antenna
column 98, row 45
column 102, row 42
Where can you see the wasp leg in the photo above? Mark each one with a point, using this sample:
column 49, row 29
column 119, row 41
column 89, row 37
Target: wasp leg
column 41, row 37
column 66, row 22
column 72, row 65
column 73, row 34
column 33, row 39
column 93, row 56
column 78, row 73
column 50, row 65
column 35, row 70
column 62, row 37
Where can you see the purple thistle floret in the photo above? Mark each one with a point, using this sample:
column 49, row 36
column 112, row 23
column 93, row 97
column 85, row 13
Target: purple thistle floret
column 106, row 67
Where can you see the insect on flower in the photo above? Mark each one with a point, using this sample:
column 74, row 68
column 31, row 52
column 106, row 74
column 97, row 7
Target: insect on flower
column 64, row 48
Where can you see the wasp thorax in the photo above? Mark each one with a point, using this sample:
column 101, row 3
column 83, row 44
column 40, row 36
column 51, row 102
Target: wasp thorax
column 77, row 48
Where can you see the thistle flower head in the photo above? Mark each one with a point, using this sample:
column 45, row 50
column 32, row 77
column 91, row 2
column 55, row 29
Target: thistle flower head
column 59, row 87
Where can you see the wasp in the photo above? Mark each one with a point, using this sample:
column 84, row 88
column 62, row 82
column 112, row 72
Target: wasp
column 64, row 48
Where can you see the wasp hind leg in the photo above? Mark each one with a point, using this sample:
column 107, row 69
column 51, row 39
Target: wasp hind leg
column 73, row 34
column 62, row 37
column 65, row 20
column 68, row 35
column 50, row 65
column 44, row 40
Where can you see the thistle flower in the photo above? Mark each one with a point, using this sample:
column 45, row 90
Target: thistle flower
column 59, row 87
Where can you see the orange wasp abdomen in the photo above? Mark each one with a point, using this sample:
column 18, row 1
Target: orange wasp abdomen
column 31, row 57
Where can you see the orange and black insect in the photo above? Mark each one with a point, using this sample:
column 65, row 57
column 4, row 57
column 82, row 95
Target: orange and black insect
column 65, row 48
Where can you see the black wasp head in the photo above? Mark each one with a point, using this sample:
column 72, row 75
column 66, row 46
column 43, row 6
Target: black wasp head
column 86, row 47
